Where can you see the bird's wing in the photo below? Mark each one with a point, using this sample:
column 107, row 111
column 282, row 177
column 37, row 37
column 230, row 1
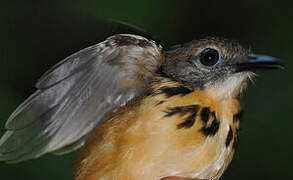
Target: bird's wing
column 76, row 95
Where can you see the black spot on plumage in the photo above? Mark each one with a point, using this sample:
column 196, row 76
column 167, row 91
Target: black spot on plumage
column 190, row 120
column 229, row 136
column 238, row 116
column 173, row 91
column 176, row 110
column 205, row 114
column 236, row 139
column 213, row 128
column 181, row 110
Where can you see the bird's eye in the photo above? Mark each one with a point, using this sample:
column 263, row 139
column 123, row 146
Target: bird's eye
column 209, row 57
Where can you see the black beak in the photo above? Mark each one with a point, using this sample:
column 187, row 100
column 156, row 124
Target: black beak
column 259, row 62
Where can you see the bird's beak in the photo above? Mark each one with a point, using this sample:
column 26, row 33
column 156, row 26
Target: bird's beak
column 259, row 62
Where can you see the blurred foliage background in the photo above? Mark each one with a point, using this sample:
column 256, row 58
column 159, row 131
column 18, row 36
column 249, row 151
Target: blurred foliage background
column 34, row 35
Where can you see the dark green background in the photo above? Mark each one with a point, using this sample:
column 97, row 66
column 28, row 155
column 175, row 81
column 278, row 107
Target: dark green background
column 34, row 35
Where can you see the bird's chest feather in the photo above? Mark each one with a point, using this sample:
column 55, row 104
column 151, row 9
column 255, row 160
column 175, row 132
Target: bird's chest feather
column 170, row 132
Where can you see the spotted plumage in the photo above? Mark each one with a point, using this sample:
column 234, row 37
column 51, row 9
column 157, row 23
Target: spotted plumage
column 183, row 111
column 139, row 111
column 144, row 120
column 237, row 116
column 229, row 136
column 211, row 129
column 173, row 91
column 205, row 114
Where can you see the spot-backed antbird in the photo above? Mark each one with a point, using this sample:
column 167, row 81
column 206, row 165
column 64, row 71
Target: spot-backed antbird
column 139, row 111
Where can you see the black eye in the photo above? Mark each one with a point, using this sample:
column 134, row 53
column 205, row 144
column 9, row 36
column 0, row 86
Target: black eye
column 209, row 57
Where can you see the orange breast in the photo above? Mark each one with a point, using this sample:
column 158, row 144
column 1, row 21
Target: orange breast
column 160, row 135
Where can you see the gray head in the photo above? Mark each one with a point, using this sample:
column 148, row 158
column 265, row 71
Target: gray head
column 214, row 64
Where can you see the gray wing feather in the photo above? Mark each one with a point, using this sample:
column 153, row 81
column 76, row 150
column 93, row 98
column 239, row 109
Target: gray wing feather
column 76, row 95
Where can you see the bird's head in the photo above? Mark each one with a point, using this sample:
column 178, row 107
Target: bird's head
column 219, row 66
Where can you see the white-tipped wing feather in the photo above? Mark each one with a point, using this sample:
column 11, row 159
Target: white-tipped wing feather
column 77, row 94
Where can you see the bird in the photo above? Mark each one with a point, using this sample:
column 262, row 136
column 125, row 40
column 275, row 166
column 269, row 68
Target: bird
column 138, row 110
